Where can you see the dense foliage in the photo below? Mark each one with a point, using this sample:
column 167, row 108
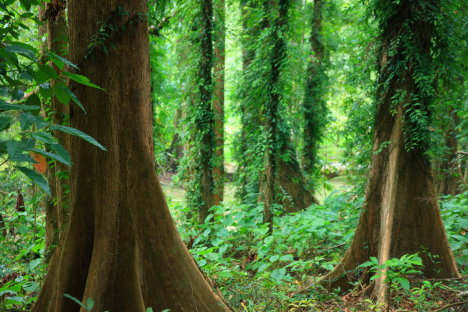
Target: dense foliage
column 297, row 92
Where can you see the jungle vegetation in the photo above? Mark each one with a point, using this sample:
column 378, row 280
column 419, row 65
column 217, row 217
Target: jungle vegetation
column 233, row 155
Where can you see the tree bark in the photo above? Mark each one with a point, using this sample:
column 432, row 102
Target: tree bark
column 218, row 101
column 401, row 212
column 58, row 206
column 121, row 247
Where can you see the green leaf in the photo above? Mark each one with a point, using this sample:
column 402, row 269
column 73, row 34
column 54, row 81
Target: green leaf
column 26, row 120
column 404, row 283
column 74, row 300
column 52, row 155
column 5, row 123
column 81, row 79
column 278, row 274
column 34, row 101
column 75, row 99
column 45, row 73
column 61, row 151
column 4, row 106
column 44, row 137
column 23, row 49
column 15, row 150
column 78, row 133
column 60, row 92
column 36, row 178
column 59, row 61
column 89, row 303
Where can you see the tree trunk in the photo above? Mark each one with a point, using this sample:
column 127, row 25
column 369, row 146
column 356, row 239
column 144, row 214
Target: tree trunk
column 449, row 175
column 291, row 180
column 314, row 105
column 218, row 101
column 268, row 185
column 121, row 247
column 58, row 207
column 204, row 116
column 401, row 212
column 249, row 114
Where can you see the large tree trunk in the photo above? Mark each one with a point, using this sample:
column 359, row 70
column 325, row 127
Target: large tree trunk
column 314, row 104
column 401, row 212
column 218, row 101
column 121, row 247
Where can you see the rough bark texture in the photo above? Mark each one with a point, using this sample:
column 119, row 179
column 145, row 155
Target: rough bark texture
column 218, row 101
column 205, row 122
column 121, row 247
column 314, row 104
column 401, row 212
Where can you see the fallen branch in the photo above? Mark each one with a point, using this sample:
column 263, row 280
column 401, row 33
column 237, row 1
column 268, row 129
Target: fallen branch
column 451, row 305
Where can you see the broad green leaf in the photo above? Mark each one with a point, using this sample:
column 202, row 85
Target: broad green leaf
column 278, row 274
column 61, row 151
column 5, row 123
column 45, row 73
column 15, row 150
column 23, row 49
column 15, row 299
column 52, row 156
column 404, row 283
column 59, row 61
column 26, row 120
column 36, row 178
column 60, row 92
column 44, row 137
column 81, row 79
column 35, row 101
column 4, row 106
column 78, row 133
column 74, row 98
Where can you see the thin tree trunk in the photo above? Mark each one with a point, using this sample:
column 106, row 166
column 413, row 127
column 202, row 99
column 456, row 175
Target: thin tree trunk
column 205, row 122
column 314, row 106
column 249, row 114
column 121, row 247
column 401, row 212
column 57, row 38
column 449, row 174
column 270, row 171
column 218, row 101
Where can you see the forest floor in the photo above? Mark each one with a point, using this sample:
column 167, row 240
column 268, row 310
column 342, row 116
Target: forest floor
column 289, row 285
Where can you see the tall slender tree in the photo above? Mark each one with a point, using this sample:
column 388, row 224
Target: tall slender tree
column 202, row 187
column 314, row 105
column 218, row 100
column 401, row 212
column 272, row 107
column 121, row 247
